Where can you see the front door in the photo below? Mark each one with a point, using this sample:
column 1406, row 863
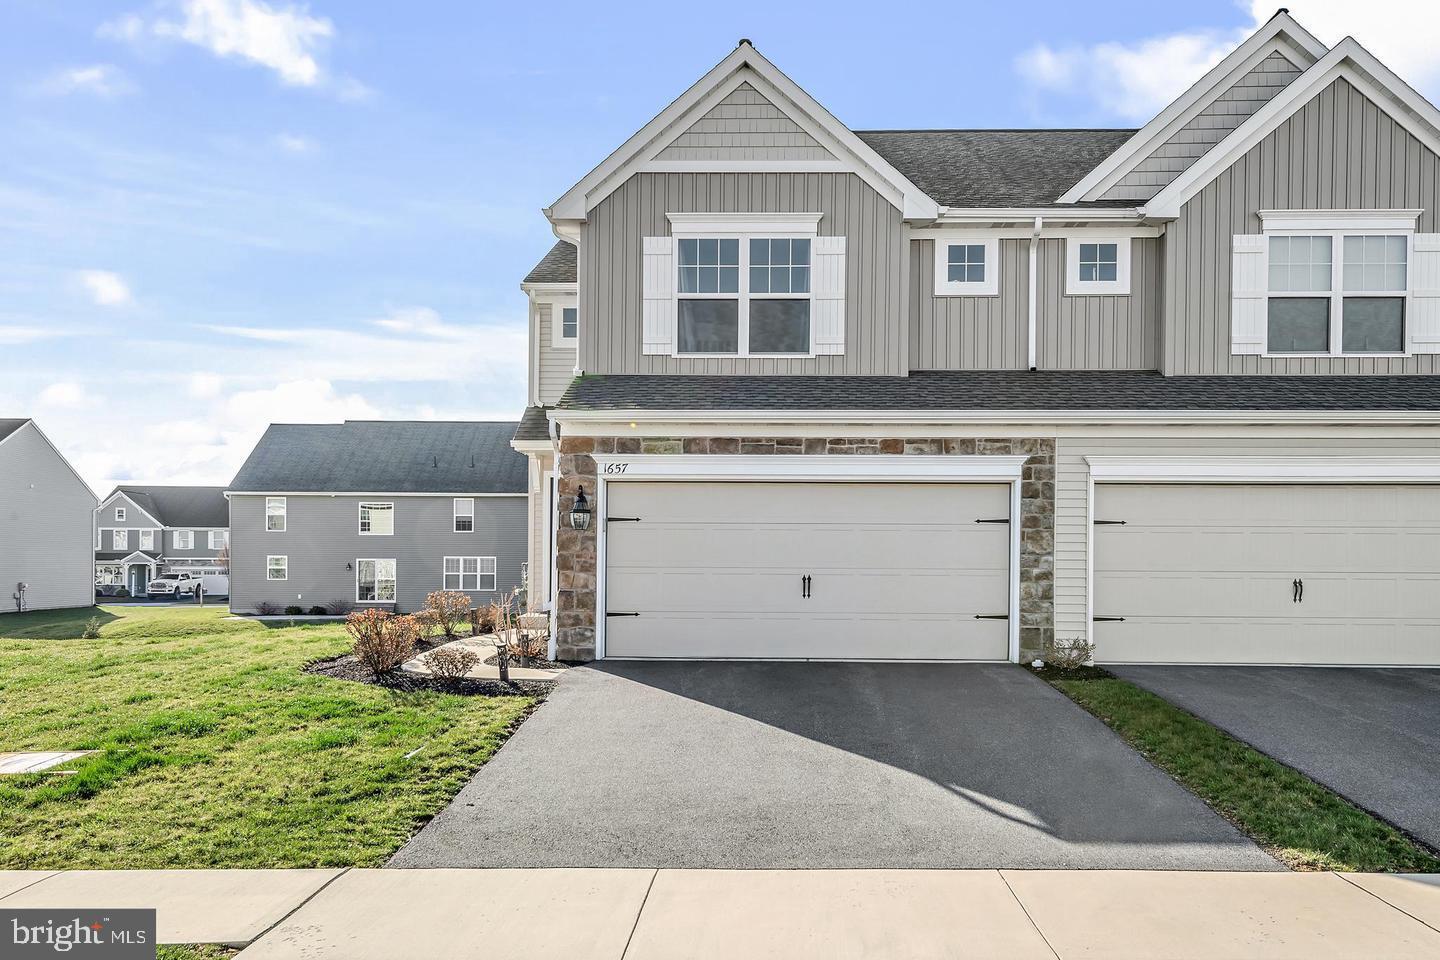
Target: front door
column 139, row 579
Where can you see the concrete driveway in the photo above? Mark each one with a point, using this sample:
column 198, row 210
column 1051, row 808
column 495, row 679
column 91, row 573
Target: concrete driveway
column 821, row 765
column 1372, row 735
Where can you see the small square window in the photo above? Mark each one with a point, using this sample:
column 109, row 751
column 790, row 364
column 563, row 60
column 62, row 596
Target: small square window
column 1098, row 267
column 966, row 267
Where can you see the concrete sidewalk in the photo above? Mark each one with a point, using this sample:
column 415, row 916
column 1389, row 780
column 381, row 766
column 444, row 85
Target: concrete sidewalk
column 791, row 914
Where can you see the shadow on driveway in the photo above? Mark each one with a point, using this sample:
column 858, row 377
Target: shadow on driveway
column 821, row 765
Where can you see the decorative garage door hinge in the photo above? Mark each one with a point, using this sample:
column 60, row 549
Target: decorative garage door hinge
column 1000, row 520
column 1108, row 619
column 1109, row 522
column 609, row 614
column 992, row 616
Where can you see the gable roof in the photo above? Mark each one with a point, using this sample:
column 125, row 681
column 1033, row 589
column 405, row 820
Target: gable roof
column 745, row 65
column 10, row 425
column 179, row 506
column 1348, row 60
column 1279, row 33
column 374, row 456
column 557, row 266
column 996, row 168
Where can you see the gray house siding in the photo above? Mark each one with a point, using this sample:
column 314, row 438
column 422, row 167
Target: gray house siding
column 322, row 536
column 969, row 333
column 46, row 526
column 1339, row 151
column 876, row 324
column 556, row 365
column 1099, row 332
column 745, row 125
column 1209, row 127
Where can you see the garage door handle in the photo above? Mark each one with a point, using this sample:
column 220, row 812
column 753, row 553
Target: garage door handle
column 805, row 586
column 1302, row 590
column 1294, row 591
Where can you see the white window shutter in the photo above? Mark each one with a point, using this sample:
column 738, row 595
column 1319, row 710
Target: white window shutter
column 1249, row 283
column 657, row 314
column 827, row 289
column 1425, row 294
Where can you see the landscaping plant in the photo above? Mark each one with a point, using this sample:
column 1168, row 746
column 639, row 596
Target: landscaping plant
column 383, row 640
column 451, row 663
column 92, row 629
column 448, row 610
column 266, row 609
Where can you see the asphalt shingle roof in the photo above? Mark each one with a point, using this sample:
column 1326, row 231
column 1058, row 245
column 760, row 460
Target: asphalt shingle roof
column 557, row 266
column 181, row 506
column 9, row 426
column 374, row 456
column 534, row 425
column 1004, row 390
column 996, row 168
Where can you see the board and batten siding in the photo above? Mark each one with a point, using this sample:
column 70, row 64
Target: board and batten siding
column 1339, row 151
column 46, row 527
column 1072, row 476
column 556, row 365
column 1090, row 332
column 876, row 331
column 322, row 535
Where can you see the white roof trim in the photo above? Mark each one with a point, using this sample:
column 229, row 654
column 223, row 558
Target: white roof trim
column 1281, row 33
column 968, row 215
column 136, row 556
column 972, row 417
column 744, row 64
column 1348, row 61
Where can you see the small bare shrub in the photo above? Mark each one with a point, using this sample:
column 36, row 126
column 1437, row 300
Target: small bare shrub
column 318, row 611
column 340, row 608
column 486, row 618
column 530, row 644
column 1070, row 654
column 383, row 641
column 448, row 610
column 266, row 609
column 294, row 611
column 451, row 662
column 92, row 629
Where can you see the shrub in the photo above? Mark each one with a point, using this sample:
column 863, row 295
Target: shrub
column 383, row 640
column 318, row 611
column 123, row 592
column 266, row 609
column 447, row 610
column 294, row 611
column 92, row 629
column 451, row 662
column 1070, row 654
column 340, row 608
column 486, row 618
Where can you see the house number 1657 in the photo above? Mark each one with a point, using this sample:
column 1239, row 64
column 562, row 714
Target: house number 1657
column 614, row 468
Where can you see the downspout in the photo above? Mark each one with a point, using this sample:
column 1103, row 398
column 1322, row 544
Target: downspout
column 552, row 524
column 1033, row 326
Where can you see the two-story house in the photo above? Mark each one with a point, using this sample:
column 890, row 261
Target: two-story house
column 952, row 394
column 45, row 509
column 142, row 532
column 377, row 513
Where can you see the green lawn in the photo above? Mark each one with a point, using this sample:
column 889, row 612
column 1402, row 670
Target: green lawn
column 1304, row 824
column 216, row 750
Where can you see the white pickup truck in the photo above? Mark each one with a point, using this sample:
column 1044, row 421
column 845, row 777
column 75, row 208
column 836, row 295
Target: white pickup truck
column 177, row 585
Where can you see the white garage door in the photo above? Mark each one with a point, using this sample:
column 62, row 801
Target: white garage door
column 897, row 571
column 1302, row 574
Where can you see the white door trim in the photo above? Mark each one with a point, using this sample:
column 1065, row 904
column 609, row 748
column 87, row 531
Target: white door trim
column 1237, row 470
column 827, row 468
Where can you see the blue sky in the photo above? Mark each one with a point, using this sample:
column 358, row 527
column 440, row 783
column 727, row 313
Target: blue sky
column 219, row 213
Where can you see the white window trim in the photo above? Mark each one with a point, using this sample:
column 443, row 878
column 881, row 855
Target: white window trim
column 284, row 565
column 217, row 539
column 1337, row 225
column 119, row 514
column 359, row 514
column 945, row 287
column 742, row 227
column 1119, row 287
column 147, row 540
column 119, row 539
column 558, row 305
column 377, row 560
column 284, row 514
column 455, row 504
column 188, row 537
column 494, row 575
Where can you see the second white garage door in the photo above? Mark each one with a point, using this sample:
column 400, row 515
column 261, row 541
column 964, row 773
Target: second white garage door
column 897, row 571
column 1262, row 573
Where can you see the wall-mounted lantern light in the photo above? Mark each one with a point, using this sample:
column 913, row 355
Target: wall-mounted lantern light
column 580, row 513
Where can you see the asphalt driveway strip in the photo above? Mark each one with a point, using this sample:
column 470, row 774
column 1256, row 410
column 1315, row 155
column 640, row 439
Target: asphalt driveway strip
column 1370, row 734
column 821, row 765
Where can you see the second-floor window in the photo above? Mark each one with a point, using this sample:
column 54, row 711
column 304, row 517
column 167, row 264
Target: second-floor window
column 1097, row 266
column 464, row 514
column 275, row 514
column 147, row 539
column 119, row 514
column 122, row 539
column 219, row 539
column 743, row 295
column 377, row 519
column 1323, row 303
column 183, row 539
column 967, row 266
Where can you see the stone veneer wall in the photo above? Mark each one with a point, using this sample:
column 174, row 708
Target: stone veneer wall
column 575, row 550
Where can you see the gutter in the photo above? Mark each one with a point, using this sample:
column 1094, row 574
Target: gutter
column 1032, row 330
column 966, row 417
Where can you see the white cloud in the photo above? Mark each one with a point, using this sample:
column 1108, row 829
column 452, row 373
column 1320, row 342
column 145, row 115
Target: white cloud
column 205, row 386
column 107, row 289
column 64, row 394
column 16, row 334
column 1134, row 80
column 284, row 38
column 294, row 143
column 99, row 79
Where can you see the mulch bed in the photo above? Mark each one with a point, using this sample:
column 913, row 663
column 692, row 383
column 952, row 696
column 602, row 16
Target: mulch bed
column 348, row 667
column 530, row 663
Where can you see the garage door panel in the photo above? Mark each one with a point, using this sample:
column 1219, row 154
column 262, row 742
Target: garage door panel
column 898, row 571
column 1205, row 573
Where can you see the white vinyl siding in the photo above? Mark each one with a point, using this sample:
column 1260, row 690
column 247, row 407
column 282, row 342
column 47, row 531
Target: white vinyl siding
column 469, row 574
column 375, row 581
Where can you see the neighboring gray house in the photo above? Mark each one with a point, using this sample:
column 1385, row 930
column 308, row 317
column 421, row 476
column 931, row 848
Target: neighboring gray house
column 954, row 394
column 370, row 513
column 142, row 532
column 45, row 510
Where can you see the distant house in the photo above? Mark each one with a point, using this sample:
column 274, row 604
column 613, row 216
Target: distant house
column 44, row 524
column 142, row 532
column 368, row 513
